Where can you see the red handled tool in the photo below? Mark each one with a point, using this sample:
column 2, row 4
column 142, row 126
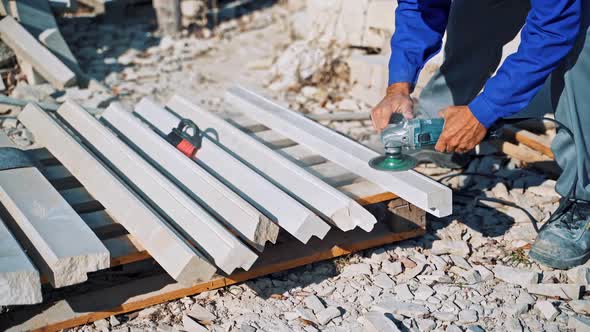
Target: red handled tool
column 186, row 138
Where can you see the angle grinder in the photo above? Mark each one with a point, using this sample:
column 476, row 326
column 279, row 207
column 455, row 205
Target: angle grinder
column 402, row 138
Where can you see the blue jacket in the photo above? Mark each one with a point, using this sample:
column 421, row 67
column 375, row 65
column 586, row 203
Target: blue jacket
column 548, row 36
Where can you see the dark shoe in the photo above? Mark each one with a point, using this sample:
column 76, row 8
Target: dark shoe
column 441, row 159
column 564, row 241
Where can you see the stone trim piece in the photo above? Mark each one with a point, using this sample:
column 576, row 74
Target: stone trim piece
column 343, row 211
column 272, row 201
column 180, row 260
column 31, row 51
column 218, row 199
column 417, row 189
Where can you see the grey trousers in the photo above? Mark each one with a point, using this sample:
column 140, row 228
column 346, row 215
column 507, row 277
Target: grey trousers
column 476, row 32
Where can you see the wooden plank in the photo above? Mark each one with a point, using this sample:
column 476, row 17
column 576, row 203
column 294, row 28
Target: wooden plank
column 533, row 141
column 424, row 192
column 275, row 203
column 164, row 244
column 138, row 294
column 19, row 279
column 309, row 189
column 62, row 245
column 218, row 199
column 28, row 48
column 365, row 193
column 125, row 249
column 214, row 240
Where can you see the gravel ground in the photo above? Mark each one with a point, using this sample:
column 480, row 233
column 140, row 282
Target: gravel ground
column 469, row 273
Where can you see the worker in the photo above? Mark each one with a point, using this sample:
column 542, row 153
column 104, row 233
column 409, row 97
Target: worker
column 550, row 72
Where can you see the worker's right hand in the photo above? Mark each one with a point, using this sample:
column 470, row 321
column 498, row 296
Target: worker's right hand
column 397, row 100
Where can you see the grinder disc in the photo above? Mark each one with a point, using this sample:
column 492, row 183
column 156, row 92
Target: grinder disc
column 390, row 163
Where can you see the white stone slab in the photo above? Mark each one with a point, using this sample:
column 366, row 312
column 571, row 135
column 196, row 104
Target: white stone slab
column 19, row 279
column 63, row 246
column 30, row 50
column 192, row 220
column 417, row 189
column 343, row 211
column 275, row 203
column 165, row 245
column 219, row 200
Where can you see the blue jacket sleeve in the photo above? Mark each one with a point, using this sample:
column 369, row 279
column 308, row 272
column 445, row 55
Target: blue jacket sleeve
column 548, row 36
column 419, row 28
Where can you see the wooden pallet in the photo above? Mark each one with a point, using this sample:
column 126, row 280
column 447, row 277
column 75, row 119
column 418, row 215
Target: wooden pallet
column 88, row 302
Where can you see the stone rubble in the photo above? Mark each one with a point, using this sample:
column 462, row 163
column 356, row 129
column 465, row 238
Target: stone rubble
column 470, row 272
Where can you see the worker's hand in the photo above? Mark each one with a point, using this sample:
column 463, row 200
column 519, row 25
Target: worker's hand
column 462, row 131
column 397, row 100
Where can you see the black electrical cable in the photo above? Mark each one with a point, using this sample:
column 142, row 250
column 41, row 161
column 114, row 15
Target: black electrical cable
column 570, row 197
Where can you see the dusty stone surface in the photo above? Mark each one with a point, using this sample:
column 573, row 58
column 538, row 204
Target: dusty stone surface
column 469, row 273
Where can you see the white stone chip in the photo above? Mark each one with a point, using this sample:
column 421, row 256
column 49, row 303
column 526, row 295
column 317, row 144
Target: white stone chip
column 580, row 306
column 547, row 309
column 579, row 323
column 516, row 276
column 201, row 314
column 326, row 315
column 451, row 247
column 356, row 269
column 374, row 321
column 425, row 325
column 516, row 309
column 403, row 292
column 383, row 281
column 314, row 303
column 423, row 292
column 392, row 268
column 406, row 309
column 563, row 291
column 579, row 275
column 484, row 272
column 190, row 325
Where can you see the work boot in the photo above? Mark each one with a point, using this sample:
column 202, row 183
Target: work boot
column 564, row 241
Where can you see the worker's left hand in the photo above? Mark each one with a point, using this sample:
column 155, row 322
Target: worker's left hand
column 462, row 131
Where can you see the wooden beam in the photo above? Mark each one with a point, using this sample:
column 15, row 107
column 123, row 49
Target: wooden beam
column 167, row 247
column 421, row 191
column 533, row 141
column 218, row 199
column 214, row 240
column 31, row 51
column 275, row 203
column 336, row 207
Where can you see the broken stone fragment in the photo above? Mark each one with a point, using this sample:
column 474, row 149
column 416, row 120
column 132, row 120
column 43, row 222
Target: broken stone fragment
column 411, row 310
column 562, row 291
column 516, row 276
column 326, row 315
column 580, row 306
column 375, row 321
column 356, row 270
column 451, row 247
column 547, row 309
column 200, row 313
column 314, row 303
